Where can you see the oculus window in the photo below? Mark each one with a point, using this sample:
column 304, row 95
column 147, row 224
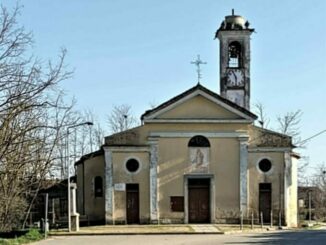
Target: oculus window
column 132, row 165
column 265, row 165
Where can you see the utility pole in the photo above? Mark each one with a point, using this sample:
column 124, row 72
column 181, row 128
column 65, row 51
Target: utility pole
column 125, row 121
column 46, row 203
column 309, row 193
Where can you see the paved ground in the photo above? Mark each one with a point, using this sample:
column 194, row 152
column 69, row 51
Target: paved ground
column 158, row 229
column 307, row 237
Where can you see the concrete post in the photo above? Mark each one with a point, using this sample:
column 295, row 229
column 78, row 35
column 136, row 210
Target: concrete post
column 74, row 214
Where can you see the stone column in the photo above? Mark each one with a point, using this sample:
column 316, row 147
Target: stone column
column 108, row 186
column 286, row 181
column 153, row 182
column 186, row 205
column 243, row 174
column 73, row 210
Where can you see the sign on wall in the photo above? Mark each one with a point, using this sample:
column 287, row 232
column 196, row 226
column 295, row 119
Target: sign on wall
column 120, row 187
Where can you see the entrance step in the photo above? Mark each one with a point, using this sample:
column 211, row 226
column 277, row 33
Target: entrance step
column 204, row 228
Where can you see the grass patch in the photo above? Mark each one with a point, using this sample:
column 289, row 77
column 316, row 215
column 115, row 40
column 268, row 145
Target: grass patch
column 32, row 235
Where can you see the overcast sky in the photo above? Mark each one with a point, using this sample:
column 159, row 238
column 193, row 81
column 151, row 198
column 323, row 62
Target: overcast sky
column 139, row 52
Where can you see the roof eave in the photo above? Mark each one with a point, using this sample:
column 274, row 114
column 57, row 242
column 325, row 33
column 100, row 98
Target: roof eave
column 148, row 113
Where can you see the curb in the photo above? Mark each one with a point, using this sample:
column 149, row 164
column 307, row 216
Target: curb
column 257, row 230
column 135, row 233
column 95, row 233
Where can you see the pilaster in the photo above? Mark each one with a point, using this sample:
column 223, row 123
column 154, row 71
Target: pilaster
column 243, row 174
column 109, row 207
column 153, row 182
column 287, row 178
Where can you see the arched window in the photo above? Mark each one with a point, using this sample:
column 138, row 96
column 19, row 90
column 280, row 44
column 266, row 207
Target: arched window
column 98, row 186
column 235, row 55
column 199, row 141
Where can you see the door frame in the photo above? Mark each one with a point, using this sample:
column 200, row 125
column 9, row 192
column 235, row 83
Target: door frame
column 270, row 191
column 211, row 195
column 127, row 202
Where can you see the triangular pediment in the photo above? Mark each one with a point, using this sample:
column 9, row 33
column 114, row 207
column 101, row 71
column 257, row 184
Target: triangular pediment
column 198, row 104
column 198, row 107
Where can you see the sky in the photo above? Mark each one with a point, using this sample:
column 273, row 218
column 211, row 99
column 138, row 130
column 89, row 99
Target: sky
column 139, row 53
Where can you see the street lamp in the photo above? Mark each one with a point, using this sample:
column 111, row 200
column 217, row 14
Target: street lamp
column 68, row 167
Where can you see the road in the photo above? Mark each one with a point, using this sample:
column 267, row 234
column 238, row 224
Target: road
column 273, row 237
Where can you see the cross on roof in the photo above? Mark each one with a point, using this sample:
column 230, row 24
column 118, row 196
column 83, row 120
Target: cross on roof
column 197, row 63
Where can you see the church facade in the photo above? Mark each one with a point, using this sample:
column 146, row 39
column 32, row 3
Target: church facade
column 196, row 158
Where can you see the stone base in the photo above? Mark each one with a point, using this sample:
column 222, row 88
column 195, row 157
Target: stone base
column 109, row 222
column 75, row 222
column 154, row 222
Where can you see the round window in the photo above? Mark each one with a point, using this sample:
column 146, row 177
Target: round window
column 132, row 165
column 265, row 165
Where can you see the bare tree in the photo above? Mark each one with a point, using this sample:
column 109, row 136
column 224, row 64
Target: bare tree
column 289, row 124
column 302, row 173
column 33, row 118
column 319, row 181
column 121, row 118
column 87, row 139
column 98, row 136
column 263, row 119
column 97, row 133
column 152, row 104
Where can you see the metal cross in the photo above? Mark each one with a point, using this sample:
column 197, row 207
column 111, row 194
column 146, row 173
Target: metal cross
column 197, row 63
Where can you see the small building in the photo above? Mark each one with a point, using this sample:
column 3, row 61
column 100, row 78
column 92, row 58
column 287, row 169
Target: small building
column 196, row 158
column 311, row 197
column 57, row 203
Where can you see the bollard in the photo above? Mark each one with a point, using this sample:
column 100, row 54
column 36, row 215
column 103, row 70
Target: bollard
column 261, row 220
column 279, row 219
column 241, row 220
column 252, row 220
column 46, row 223
column 271, row 218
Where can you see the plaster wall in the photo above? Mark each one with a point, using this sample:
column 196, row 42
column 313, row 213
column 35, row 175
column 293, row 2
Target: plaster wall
column 80, row 188
column 94, row 206
column 141, row 177
column 174, row 163
column 274, row 176
column 139, row 135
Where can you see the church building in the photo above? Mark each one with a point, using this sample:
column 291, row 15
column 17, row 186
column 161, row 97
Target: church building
column 196, row 158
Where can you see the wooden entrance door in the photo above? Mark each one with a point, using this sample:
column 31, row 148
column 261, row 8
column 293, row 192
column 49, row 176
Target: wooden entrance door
column 132, row 203
column 198, row 198
column 265, row 201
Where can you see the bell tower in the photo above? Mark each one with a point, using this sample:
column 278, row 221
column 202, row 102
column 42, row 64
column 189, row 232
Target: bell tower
column 234, row 35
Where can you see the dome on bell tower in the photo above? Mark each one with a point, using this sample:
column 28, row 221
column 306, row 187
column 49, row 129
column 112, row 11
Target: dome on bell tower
column 234, row 22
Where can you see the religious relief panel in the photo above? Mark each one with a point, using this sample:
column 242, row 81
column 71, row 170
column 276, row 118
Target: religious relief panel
column 199, row 159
